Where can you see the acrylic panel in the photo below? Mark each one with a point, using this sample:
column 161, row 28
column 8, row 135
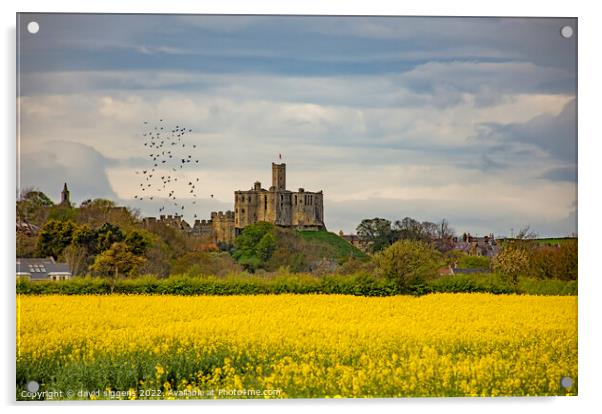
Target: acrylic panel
column 264, row 206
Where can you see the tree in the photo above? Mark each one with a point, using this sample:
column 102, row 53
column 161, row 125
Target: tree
column 408, row 229
column 205, row 263
column 255, row 245
column 35, row 197
column 158, row 256
column 76, row 257
column 526, row 234
column 375, row 234
column 95, row 212
column 106, row 235
column 116, row 261
column 568, row 260
column 445, row 231
column 54, row 237
column 511, row 261
column 408, row 262
column 266, row 246
column 26, row 245
column 85, row 237
column 430, row 230
column 33, row 206
column 62, row 213
column 137, row 242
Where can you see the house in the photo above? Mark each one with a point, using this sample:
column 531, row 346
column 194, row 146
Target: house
column 42, row 269
column 477, row 246
column 354, row 239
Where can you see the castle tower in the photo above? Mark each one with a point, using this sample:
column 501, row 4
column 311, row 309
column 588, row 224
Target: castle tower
column 65, row 197
column 279, row 176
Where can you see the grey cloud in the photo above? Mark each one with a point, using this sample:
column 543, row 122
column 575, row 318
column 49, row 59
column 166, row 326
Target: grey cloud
column 438, row 84
column 489, row 82
column 483, row 163
column 81, row 166
column 554, row 134
column 568, row 174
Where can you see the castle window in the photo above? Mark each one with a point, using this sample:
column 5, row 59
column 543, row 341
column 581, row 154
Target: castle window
column 243, row 211
column 295, row 199
column 265, row 202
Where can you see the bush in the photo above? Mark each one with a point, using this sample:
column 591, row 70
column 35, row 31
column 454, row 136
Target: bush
column 255, row 245
column 469, row 283
column 358, row 284
column 551, row 262
column 205, row 263
column 474, row 262
column 408, row 263
column 497, row 284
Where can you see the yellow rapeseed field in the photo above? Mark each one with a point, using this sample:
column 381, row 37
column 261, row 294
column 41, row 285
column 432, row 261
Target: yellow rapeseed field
column 296, row 346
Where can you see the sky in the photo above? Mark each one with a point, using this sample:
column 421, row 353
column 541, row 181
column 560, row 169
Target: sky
column 468, row 119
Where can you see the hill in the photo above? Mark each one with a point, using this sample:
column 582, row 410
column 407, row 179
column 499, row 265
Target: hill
column 335, row 245
column 265, row 246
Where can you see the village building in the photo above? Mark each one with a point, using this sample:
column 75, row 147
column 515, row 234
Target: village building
column 37, row 269
column 477, row 246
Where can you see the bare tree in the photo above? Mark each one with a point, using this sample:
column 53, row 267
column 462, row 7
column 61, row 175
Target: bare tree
column 526, row 233
column 76, row 257
column 445, row 231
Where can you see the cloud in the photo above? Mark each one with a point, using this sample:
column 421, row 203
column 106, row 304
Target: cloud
column 554, row 134
column 568, row 174
column 271, row 44
column 81, row 166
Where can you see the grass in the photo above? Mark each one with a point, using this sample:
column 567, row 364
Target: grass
column 342, row 248
column 554, row 241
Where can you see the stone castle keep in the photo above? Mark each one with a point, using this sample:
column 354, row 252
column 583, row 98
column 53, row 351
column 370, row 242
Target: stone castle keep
column 302, row 210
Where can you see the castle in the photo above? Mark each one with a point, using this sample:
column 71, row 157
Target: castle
column 302, row 210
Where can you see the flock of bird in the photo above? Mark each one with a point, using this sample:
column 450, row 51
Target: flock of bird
column 169, row 156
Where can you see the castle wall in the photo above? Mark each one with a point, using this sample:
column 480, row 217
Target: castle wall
column 283, row 207
column 223, row 226
column 264, row 208
column 203, row 229
column 269, row 204
column 307, row 209
column 245, row 207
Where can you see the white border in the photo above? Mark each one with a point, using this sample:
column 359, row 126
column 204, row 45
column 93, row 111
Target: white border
column 589, row 193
